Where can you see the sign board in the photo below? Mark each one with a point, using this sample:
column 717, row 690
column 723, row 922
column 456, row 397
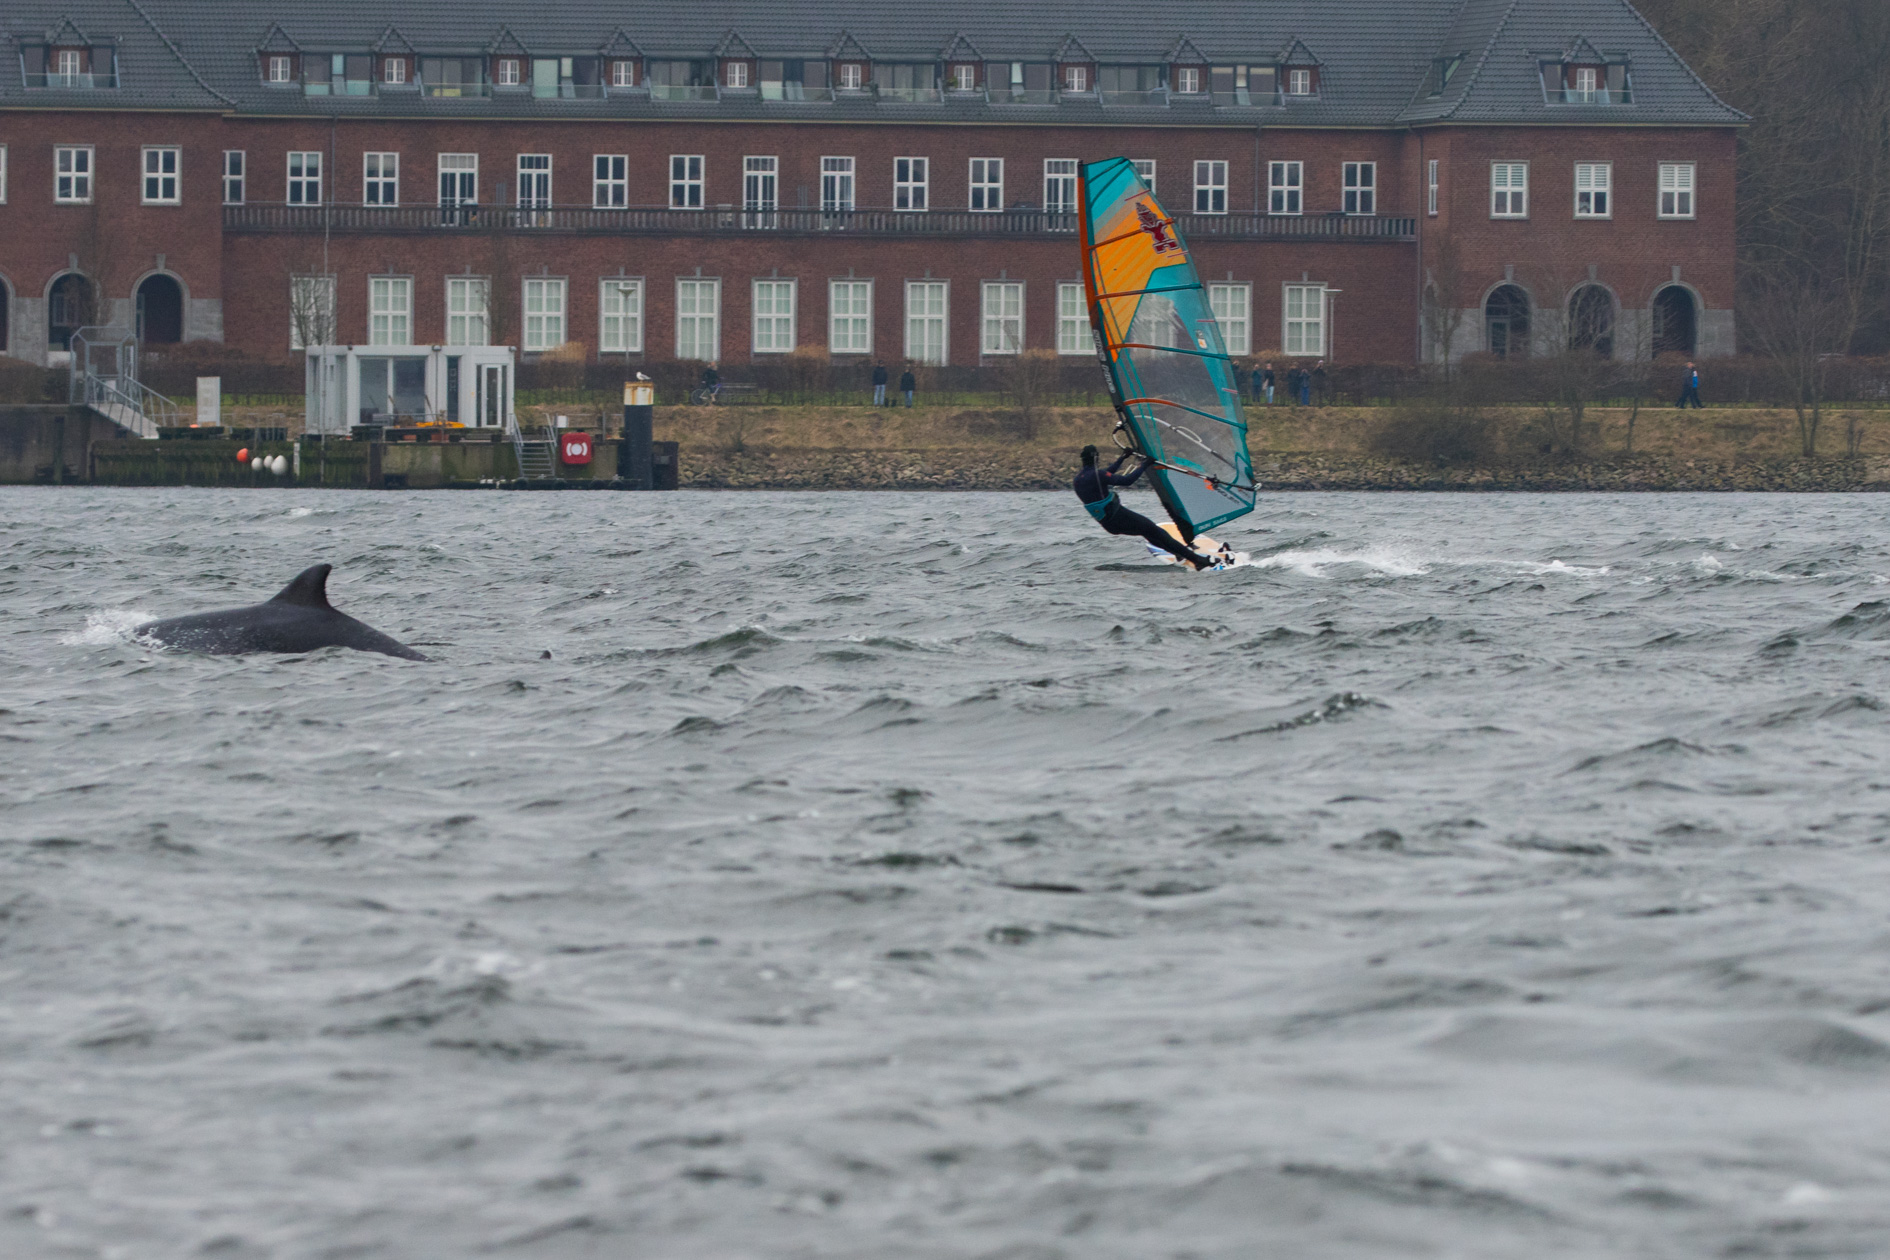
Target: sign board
column 209, row 400
column 574, row 447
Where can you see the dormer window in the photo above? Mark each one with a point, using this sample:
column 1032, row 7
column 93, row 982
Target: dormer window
column 1584, row 79
column 1076, row 78
column 281, row 69
column 1443, row 70
column 1585, row 83
column 623, row 74
column 735, row 74
column 852, row 76
column 1188, row 80
column 394, row 70
column 70, row 67
column 965, row 77
column 70, row 64
column 505, row 72
column 1300, row 81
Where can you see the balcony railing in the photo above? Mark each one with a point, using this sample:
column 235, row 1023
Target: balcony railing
column 730, row 221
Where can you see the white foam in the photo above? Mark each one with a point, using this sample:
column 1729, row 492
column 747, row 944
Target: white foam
column 301, row 511
column 111, row 626
column 1316, row 562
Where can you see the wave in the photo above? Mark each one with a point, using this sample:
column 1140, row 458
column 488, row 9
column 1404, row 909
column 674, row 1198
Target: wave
column 110, row 627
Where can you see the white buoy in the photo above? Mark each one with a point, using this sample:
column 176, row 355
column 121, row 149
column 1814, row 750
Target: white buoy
column 279, row 465
column 257, row 463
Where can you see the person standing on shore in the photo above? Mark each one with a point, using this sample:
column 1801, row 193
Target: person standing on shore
column 879, row 384
column 1263, row 383
column 1690, row 392
column 908, row 383
column 1320, row 382
column 1299, row 385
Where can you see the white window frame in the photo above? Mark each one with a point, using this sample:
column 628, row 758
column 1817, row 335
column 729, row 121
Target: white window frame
column 161, row 183
column 774, row 307
column 380, row 179
column 836, row 184
column 1432, row 183
column 911, row 180
column 1359, row 184
column 540, row 178
column 1299, row 83
column 468, row 311
column 964, row 77
column 542, row 305
column 623, row 73
column 506, row 72
column 73, row 172
column 1210, row 188
column 610, row 181
column 462, row 164
column 1232, row 304
column 704, row 342
column 305, row 177
column 1076, row 78
column 1509, row 190
column 852, row 76
column 1587, row 80
column 1678, row 189
column 620, row 315
column 1059, row 178
column 394, row 70
column 735, row 74
column 1303, row 333
column 928, row 331
column 323, row 288
column 1188, row 80
column 281, row 69
column 390, row 310
column 1073, row 334
column 986, row 177
column 235, row 176
column 1145, row 168
column 3, row 174
column 1594, row 190
column 1286, row 188
column 1001, row 317
column 685, row 181
column 761, row 183
column 850, row 316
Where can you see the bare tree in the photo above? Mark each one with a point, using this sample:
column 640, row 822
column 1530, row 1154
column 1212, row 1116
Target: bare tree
column 1442, row 312
column 1798, row 321
column 1578, row 336
column 1030, row 380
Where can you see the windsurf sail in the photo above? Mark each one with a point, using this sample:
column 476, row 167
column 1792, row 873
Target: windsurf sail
column 1169, row 374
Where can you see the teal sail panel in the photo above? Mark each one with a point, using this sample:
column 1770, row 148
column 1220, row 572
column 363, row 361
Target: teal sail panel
column 1171, row 380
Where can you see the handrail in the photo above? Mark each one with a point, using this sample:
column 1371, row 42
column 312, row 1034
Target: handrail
column 731, row 221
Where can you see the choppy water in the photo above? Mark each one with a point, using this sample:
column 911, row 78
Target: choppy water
column 929, row 876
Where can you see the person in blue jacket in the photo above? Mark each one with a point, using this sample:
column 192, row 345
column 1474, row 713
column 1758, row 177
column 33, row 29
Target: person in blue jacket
column 1690, row 392
column 1096, row 487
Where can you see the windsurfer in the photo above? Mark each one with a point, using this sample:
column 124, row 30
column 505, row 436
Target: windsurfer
column 1096, row 488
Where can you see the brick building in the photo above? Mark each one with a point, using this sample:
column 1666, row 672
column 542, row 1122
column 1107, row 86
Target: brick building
column 1360, row 180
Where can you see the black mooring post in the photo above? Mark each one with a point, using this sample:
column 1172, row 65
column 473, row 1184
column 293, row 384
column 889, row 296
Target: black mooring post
column 639, row 417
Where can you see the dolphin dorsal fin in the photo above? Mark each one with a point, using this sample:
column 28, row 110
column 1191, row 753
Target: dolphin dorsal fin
column 310, row 588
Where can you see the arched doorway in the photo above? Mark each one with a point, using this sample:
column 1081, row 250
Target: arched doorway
column 1506, row 317
column 1676, row 330
column 69, row 306
column 160, row 311
column 1591, row 321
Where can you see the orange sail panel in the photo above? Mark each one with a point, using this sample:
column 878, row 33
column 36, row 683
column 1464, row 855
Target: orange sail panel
column 1172, row 381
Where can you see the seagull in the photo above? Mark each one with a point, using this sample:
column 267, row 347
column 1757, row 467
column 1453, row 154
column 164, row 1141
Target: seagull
column 642, row 377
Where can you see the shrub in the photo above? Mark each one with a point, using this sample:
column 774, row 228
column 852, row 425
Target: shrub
column 1441, row 430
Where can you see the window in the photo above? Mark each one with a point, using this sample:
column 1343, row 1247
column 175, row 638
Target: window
column 1145, row 170
column 1361, row 187
column 1584, row 81
column 850, row 316
column 620, row 316
column 1676, row 190
column 926, row 327
column 685, row 182
column 160, row 177
column 380, row 179
column 1299, row 83
column 1509, row 190
column 1210, row 188
column 305, row 179
column 234, row 162
column 852, row 76
column 281, row 70
column 1059, row 185
column 1594, row 182
column 459, row 179
column 1188, row 80
column 534, row 181
column 610, row 181
column 468, row 310
column 3, row 174
column 909, row 179
column 623, row 74
column 760, row 190
column 544, row 314
column 774, row 316
column 71, row 64
column 311, row 311
column 965, row 77
column 836, row 184
column 1073, row 321
column 987, row 184
column 390, row 311
column 394, row 70
column 1076, row 78
column 72, row 174
column 1305, row 319
column 1003, row 317
column 735, row 74
column 1430, row 190
column 506, row 74
column 1233, row 311
column 1286, row 181
column 699, row 320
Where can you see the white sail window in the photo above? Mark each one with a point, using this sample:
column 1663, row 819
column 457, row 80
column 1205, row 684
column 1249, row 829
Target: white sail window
column 1059, row 185
column 1145, row 169
column 610, row 181
column 836, row 184
column 926, row 322
column 1286, row 186
column 459, row 179
column 1073, row 336
column 1509, row 190
column 1594, row 190
column 1360, row 181
column 1304, row 320
column 685, row 181
column 987, row 184
column 72, row 174
column 305, row 178
column 774, row 303
column 1233, row 311
column 468, row 319
column 544, row 314
column 160, row 176
column 850, row 316
column 1676, row 189
column 1210, row 188
column 699, row 320
column 620, row 315
column 380, row 179
column 1003, row 317
column 235, row 163
column 910, row 177
column 390, row 311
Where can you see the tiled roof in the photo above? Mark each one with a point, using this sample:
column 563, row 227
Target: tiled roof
column 1375, row 56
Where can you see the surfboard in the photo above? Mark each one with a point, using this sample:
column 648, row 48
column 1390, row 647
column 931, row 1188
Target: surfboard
column 1224, row 556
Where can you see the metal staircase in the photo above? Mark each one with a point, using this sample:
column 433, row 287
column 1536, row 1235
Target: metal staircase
column 536, row 458
column 103, row 375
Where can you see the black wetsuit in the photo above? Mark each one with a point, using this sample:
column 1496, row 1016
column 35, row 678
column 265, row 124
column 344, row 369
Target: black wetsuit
column 1094, row 487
